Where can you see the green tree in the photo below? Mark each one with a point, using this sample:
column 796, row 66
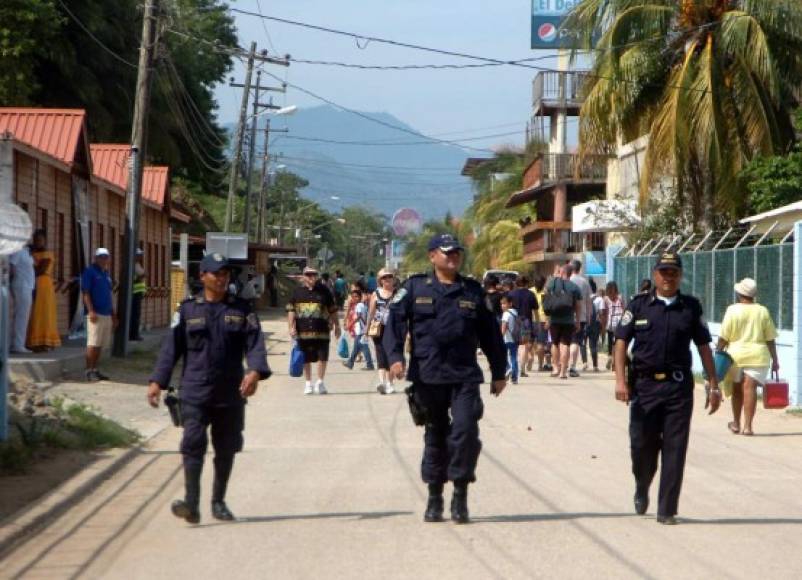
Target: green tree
column 773, row 181
column 710, row 81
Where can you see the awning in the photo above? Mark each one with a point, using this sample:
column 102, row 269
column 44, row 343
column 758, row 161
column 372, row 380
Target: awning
column 605, row 215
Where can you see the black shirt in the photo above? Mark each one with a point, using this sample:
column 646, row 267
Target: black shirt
column 524, row 301
column 663, row 333
column 313, row 309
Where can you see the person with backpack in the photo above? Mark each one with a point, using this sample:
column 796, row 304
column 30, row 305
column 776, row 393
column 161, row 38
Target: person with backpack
column 562, row 303
column 511, row 331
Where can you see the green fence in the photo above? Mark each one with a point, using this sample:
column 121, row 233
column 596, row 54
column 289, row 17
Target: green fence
column 710, row 276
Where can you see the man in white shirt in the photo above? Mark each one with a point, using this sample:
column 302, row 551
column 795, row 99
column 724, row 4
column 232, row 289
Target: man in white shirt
column 585, row 313
column 23, row 281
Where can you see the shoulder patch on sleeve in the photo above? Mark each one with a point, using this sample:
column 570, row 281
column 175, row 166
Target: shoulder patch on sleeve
column 399, row 296
column 626, row 319
column 253, row 321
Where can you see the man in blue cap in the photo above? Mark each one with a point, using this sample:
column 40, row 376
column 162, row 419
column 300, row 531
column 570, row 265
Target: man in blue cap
column 662, row 324
column 447, row 318
column 212, row 332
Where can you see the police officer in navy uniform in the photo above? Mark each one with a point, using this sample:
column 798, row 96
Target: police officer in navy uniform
column 447, row 318
column 213, row 332
column 662, row 325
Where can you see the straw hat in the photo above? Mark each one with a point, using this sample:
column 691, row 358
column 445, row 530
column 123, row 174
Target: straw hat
column 746, row 287
column 385, row 272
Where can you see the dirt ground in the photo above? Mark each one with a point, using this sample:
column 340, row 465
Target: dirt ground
column 49, row 469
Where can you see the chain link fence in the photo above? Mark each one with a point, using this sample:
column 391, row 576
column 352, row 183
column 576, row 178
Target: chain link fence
column 710, row 275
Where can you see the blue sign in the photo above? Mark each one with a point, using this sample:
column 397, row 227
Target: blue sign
column 595, row 264
column 547, row 20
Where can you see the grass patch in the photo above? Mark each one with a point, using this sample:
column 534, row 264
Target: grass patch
column 94, row 431
column 794, row 411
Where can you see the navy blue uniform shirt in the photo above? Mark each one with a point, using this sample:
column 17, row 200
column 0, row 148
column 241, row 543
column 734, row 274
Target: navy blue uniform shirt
column 447, row 322
column 663, row 334
column 212, row 338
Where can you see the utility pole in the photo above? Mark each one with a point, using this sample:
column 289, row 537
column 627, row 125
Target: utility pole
column 139, row 134
column 243, row 111
column 263, row 184
column 252, row 155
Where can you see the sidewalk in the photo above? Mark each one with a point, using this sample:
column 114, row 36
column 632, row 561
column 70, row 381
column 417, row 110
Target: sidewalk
column 329, row 487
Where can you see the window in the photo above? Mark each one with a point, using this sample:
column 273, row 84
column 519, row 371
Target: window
column 164, row 266
column 41, row 218
column 60, row 242
column 91, row 239
column 115, row 254
column 100, row 236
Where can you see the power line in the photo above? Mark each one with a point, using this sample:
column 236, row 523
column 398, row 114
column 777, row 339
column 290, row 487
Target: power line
column 399, row 143
column 264, row 27
column 95, row 38
column 395, row 167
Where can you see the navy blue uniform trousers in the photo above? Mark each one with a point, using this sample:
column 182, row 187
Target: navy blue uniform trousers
column 451, row 442
column 227, row 423
column 660, row 426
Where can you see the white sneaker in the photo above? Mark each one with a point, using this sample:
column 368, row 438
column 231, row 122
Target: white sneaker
column 320, row 388
column 308, row 388
column 388, row 389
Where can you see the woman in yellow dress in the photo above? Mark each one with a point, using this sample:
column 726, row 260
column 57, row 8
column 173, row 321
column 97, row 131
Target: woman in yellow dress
column 43, row 327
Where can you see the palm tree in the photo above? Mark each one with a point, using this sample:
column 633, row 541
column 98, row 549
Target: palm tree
column 711, row 82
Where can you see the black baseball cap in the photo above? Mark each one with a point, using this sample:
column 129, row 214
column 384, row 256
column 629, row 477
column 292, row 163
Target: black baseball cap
column 668, row 260
column 214, row 262
column 445, row 243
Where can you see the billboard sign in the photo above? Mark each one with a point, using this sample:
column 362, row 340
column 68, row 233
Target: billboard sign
column 406, row 221
column 547, row 19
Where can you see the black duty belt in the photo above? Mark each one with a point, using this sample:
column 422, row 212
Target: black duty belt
column 675, row 376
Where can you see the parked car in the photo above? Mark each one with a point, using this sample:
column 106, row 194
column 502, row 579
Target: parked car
column 502, row 275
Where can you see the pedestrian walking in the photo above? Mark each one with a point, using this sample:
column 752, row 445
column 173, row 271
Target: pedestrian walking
column 101, row 318
column 360, row 330
column 747, row 334
column 661, row 325
column 140, row 288
column 511, row 332
column 212, row 332
column 43, row 326
column 340, row 289
column 311, row 318
column 542, row 348
column 562, row 304
column 594, row 327
column 23, row 282
column 579, row 340
column 611, row 316
column 447, row 319
column 526, row 305
column 378, row 311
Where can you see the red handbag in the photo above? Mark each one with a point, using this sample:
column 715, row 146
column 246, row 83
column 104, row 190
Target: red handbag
column 775, row 393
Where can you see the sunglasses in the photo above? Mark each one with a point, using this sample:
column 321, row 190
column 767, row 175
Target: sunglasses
column 311, row 275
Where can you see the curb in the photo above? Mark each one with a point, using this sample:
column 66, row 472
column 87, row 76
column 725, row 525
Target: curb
column 44, row 510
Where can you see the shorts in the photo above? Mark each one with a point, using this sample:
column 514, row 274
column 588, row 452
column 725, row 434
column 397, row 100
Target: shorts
column 527, row 330
column 759, row 374
column 99, row 334
column 581, row 334
column 541, row 335
column 314, row 349
column 561, row 333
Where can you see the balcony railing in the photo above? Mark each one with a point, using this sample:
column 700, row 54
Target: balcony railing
column 548, row 241
column 568, row 166
column 557, row 89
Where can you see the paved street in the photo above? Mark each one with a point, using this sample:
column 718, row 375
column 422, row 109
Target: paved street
column 328, row 487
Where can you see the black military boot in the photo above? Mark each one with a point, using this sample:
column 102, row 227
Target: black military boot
column 187, row 509
column 222, row 471
column 641, row 500
column 459, row 504
column 435, row 505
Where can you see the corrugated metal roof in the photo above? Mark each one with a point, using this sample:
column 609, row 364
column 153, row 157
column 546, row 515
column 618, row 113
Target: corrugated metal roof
column 110, row 163
column 55, row 132
column 154, row 184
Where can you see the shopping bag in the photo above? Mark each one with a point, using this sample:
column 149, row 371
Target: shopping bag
column 775, row 393
column 297, row 361
column 723, row 362
column 342, row 347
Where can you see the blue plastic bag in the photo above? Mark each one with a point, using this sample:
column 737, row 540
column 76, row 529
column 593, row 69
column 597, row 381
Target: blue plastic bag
column 297, row 361
column 342, row 347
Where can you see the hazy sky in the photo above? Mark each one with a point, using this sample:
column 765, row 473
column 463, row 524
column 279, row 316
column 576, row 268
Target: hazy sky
column 473, row 102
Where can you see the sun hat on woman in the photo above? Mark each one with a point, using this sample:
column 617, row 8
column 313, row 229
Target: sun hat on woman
column 746, row 287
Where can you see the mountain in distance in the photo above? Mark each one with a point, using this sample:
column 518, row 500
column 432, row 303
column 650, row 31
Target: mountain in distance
column 381, row 172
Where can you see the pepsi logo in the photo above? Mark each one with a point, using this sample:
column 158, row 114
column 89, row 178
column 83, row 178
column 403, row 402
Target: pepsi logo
column 547, row 32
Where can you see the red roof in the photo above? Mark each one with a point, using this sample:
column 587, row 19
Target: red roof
column 110, row 163
column 56, row 132
column 154, row 184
